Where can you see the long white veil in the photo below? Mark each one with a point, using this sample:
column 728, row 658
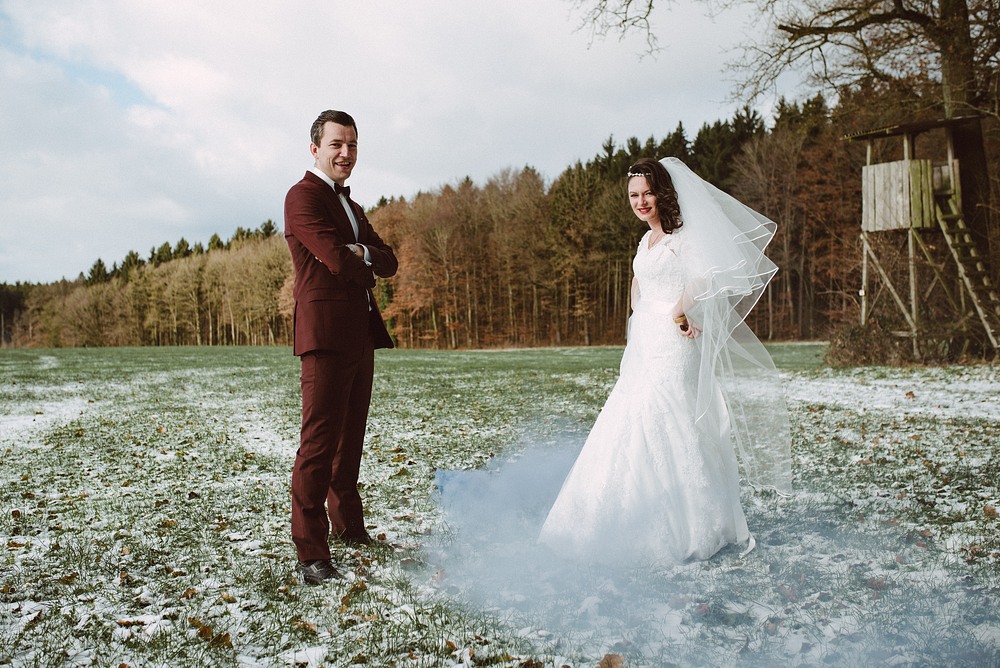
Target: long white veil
column 725, row 251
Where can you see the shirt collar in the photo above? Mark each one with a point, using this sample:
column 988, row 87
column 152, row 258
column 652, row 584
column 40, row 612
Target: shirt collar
column 318, row 172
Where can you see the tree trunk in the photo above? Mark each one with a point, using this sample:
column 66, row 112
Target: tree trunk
column 974, row 179
column 958, row 81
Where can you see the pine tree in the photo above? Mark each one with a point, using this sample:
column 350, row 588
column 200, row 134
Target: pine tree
column 98, row 273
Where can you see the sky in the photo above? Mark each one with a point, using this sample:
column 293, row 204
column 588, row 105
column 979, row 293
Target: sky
column 128, row 123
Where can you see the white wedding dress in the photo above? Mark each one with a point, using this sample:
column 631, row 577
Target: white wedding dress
column 652, row 483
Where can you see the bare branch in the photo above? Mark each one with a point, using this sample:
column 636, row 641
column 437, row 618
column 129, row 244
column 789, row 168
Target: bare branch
column 619, row 16
column 853, row 24
column 951, row 43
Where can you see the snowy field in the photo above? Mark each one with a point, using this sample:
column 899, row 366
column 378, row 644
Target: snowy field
column 144, row 520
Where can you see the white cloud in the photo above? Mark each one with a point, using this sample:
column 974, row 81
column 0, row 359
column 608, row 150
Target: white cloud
column 127, row 124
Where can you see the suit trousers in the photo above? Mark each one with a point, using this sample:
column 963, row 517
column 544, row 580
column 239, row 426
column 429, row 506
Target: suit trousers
column 336, row 395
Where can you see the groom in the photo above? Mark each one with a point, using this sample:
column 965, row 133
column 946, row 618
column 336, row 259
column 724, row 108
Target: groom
column 336, row 255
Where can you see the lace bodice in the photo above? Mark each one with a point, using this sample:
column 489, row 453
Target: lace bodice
column 659, row 270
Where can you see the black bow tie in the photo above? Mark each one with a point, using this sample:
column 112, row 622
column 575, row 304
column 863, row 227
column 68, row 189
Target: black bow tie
column 342, row 190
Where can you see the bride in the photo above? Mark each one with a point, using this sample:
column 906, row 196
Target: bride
column 658, row 477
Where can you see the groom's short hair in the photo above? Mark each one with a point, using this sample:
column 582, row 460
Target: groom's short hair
column 330, row 116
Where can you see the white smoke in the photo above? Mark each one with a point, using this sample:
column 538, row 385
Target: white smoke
column 820, row 587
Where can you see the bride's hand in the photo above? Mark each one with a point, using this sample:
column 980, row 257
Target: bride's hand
column 686, row 327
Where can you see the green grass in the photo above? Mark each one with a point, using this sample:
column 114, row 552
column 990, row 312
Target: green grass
column 145, row 505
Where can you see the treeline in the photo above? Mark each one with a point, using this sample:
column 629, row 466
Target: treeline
column 232, row 293
column 99, row 272
column 515, row 261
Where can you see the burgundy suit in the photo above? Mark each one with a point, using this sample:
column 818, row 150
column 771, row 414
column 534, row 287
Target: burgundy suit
column 337, row 327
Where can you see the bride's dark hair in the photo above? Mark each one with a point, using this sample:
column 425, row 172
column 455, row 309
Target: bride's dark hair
column 658, row 178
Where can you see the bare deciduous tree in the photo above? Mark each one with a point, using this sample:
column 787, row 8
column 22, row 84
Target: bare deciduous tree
column 955, row 42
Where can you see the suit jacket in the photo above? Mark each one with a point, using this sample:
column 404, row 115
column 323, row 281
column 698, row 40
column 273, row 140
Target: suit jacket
column 332, row 285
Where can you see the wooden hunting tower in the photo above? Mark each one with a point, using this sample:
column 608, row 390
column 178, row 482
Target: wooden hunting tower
column 923, row 197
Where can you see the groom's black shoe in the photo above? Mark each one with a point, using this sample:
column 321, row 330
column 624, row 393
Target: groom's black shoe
column 318, row 571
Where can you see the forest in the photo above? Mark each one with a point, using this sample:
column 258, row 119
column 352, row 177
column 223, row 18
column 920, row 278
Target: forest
column 517, row 260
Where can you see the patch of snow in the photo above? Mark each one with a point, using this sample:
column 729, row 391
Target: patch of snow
column 307, row 657
column 22, row 426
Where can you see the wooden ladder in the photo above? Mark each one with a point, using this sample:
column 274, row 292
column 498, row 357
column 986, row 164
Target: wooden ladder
column 971, row 268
